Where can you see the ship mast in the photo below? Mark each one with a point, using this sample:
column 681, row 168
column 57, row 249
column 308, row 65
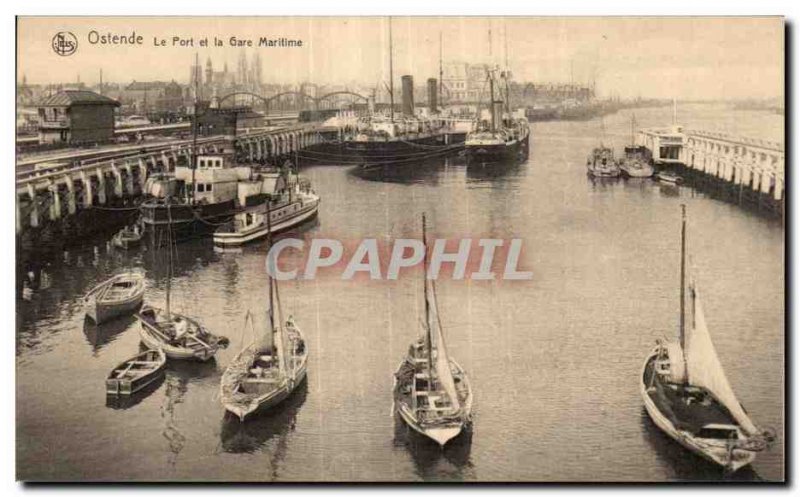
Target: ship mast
column 441, row 72
column 169, row 260
column 428, row 335
column 491, row 99
column 683, row 281
column 391, row 73
column 505, row 43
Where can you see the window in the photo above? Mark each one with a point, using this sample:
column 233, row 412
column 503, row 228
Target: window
column 202, row 163
column 209, row 187
column 201, row 187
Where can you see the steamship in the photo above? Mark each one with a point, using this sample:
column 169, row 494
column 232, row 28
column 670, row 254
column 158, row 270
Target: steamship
column 501, row 138
column 381, row 140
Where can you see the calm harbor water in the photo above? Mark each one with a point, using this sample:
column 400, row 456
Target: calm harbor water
column 554, row 361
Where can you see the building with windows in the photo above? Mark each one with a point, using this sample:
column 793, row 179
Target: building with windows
column 76, row 117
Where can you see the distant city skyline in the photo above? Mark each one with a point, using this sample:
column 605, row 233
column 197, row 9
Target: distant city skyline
column 684, row 58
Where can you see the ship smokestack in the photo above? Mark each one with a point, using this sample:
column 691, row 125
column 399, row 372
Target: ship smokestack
column 433, row 95
column 408, row 95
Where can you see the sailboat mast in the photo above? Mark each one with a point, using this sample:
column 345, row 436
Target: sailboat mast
column 169, row 259
column 428, row 335
column 269, row 275
column 683, row 278
column 391, row 73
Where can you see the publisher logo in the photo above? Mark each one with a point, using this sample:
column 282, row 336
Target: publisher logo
column 65, row 43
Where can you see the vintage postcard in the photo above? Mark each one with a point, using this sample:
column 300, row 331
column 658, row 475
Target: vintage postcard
column 400, row 249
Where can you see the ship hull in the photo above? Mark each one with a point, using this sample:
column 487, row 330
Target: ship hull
column 369, row 154
column 186, row 220
column 501, row 152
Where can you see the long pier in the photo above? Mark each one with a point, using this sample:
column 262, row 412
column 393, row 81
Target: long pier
column 50, row 187
column 747, row 167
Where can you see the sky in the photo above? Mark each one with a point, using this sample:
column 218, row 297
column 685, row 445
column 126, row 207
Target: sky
column 673, row 57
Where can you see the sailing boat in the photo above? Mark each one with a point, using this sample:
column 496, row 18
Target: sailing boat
column 687, row 394
column 177, row 335
column 269, row 369
column 432, row 393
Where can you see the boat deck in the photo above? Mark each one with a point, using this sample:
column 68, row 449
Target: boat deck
column 688, row 407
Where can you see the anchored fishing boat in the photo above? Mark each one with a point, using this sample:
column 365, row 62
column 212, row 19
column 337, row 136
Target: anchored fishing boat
column 115, row 297
column 177, row 335
column 687, row 394
column 601, row 163
column 136, row 373
column 128, row 237
column 286, row 208
column 432, row 392
column 268, row 370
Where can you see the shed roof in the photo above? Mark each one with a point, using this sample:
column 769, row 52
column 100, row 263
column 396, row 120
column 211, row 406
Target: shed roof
column 68, row 98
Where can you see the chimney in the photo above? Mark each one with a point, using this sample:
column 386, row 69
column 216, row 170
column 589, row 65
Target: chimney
column 408, row 95
column 433, row 96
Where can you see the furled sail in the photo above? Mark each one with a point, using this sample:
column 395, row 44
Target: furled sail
column 441, row 359
column 704, row 368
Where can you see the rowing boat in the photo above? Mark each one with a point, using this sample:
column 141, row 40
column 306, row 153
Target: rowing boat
column 136, row 373
column 115, row 297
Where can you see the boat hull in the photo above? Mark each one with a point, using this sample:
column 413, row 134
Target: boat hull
column 236, row 239
column 123, row 387
column 439, row 434
column 713, row 454
column 101, row 311
column 495, row 152
column 265, row 405
column 151, row 339
column 186, row 220
column 397, row 152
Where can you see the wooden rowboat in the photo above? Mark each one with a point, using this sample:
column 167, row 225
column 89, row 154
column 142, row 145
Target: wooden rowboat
column 136, row 373
column 115, row 297
column 178, row 336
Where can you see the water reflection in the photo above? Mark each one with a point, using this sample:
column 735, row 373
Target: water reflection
column 98, row 336
column 478, row 172
column 251, row 436
column 432, row 462
column 179, row 375
column 684, row 464
column 427, row 171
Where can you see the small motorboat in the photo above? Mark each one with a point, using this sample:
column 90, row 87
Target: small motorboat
column 601, row 164
column 128, row 237
column 669, row 177
column 136, row 373
column 115, row 297
column 687, row 394
column 178, row 336
column 286, row 210
column 432, row 392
